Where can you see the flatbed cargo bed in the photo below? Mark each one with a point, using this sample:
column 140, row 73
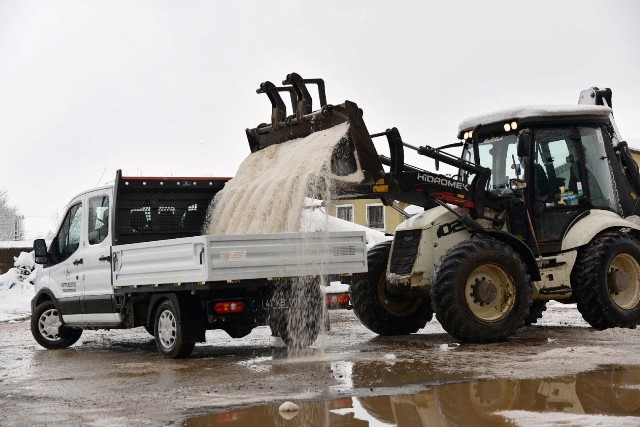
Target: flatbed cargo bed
column 210, row 258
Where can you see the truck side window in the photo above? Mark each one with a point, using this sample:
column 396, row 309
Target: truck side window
column 98, row 219
column 69, row 235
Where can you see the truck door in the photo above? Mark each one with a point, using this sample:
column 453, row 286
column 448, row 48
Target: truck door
column 65, row 269
column 97, row 297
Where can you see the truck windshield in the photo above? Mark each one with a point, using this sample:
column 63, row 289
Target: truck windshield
column 498, row 154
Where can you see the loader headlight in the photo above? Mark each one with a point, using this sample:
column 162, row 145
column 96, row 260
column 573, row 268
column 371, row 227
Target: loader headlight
column 510, row 126
column 468, row 134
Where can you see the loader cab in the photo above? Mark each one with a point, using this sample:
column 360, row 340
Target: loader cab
column 562, row 157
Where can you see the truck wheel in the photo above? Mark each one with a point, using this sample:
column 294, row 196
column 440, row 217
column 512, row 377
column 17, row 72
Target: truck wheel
column 384, row 312
column 299, row 325
column 48, row 330
column 169, row 332
column 535, row 312
column 606, row 281
column 482, row 291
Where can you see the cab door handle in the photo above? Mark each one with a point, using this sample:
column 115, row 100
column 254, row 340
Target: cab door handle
column 105, row 258
column 77, row 261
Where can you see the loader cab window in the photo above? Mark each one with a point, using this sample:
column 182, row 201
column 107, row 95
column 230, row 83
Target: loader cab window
column 560, row 179
column 498, row 154
column 601, row 192
column 68, row 239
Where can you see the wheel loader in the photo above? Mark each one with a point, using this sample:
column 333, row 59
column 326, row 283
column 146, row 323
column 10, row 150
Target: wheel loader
column 541, row 208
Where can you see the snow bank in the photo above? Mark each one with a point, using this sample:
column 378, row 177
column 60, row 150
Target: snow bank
column 15, row 302
column 16, row 288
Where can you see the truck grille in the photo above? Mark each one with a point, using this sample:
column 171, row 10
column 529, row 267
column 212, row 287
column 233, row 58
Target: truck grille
column 405, row 250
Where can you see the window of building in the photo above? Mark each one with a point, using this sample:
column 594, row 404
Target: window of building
column 345, row 212
column 375, row 216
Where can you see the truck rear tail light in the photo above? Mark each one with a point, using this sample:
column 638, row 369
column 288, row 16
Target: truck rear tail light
column 339, row 300
column 228, row 307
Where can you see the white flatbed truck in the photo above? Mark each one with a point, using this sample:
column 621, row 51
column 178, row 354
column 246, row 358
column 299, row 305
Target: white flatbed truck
column 132, row 255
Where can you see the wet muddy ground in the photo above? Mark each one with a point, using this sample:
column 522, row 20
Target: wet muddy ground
column 558, row 373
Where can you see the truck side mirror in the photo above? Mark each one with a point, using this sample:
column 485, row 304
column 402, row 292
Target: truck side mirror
column 525, row 141
column 40, row 251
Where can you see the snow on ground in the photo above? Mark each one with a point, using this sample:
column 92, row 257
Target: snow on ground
column 15, row 303
column 16, row 289
column 537, row 419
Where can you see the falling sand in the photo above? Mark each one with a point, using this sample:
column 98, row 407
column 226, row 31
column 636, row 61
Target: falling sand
column 267, row 195
column 268, row 192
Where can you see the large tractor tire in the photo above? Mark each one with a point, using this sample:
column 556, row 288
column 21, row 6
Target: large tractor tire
column 384, row 312
column 482, row 291
column 606, row 281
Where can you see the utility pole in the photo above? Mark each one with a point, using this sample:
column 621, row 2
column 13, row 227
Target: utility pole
column 17, row 227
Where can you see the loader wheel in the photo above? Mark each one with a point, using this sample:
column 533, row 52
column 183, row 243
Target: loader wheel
column 535, row 312
column 169, row 332
column 49, row 331
column 606, row 281
column 384, row 312
column 482, row 291
column 612, row 392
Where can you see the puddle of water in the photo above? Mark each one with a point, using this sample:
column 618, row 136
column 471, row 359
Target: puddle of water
column 607, row 397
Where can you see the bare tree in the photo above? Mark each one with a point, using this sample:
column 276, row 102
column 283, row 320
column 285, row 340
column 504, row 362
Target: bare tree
column 8, row 217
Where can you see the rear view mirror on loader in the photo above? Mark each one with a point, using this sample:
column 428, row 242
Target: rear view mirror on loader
column 525, row 141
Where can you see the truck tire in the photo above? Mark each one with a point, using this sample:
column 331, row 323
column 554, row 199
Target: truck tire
column 482, row 291
column 381, row 311
column 298, row 325
column 48, row 330
column 606, row 281
column 169, row 332
column 535, row 312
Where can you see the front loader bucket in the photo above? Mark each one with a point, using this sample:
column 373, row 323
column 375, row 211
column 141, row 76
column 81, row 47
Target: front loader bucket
column 354, row 150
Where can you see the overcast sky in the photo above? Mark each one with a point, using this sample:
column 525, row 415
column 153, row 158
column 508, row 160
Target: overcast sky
column 167, row 88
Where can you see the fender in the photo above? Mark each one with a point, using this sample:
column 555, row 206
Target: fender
column 520, row 247
column 585, row 228
column 195, row 333
column 43, row 294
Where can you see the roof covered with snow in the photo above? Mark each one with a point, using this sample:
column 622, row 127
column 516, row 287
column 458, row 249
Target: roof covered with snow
column 533, row 111
column 16, row 244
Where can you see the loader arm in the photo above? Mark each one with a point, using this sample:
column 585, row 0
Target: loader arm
column 356, row 152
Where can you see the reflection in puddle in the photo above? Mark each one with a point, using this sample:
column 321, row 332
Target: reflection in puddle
column 610, row 397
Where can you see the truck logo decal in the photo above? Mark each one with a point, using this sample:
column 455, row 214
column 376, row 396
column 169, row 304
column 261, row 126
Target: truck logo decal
column 441, row 180
column 68, row 286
